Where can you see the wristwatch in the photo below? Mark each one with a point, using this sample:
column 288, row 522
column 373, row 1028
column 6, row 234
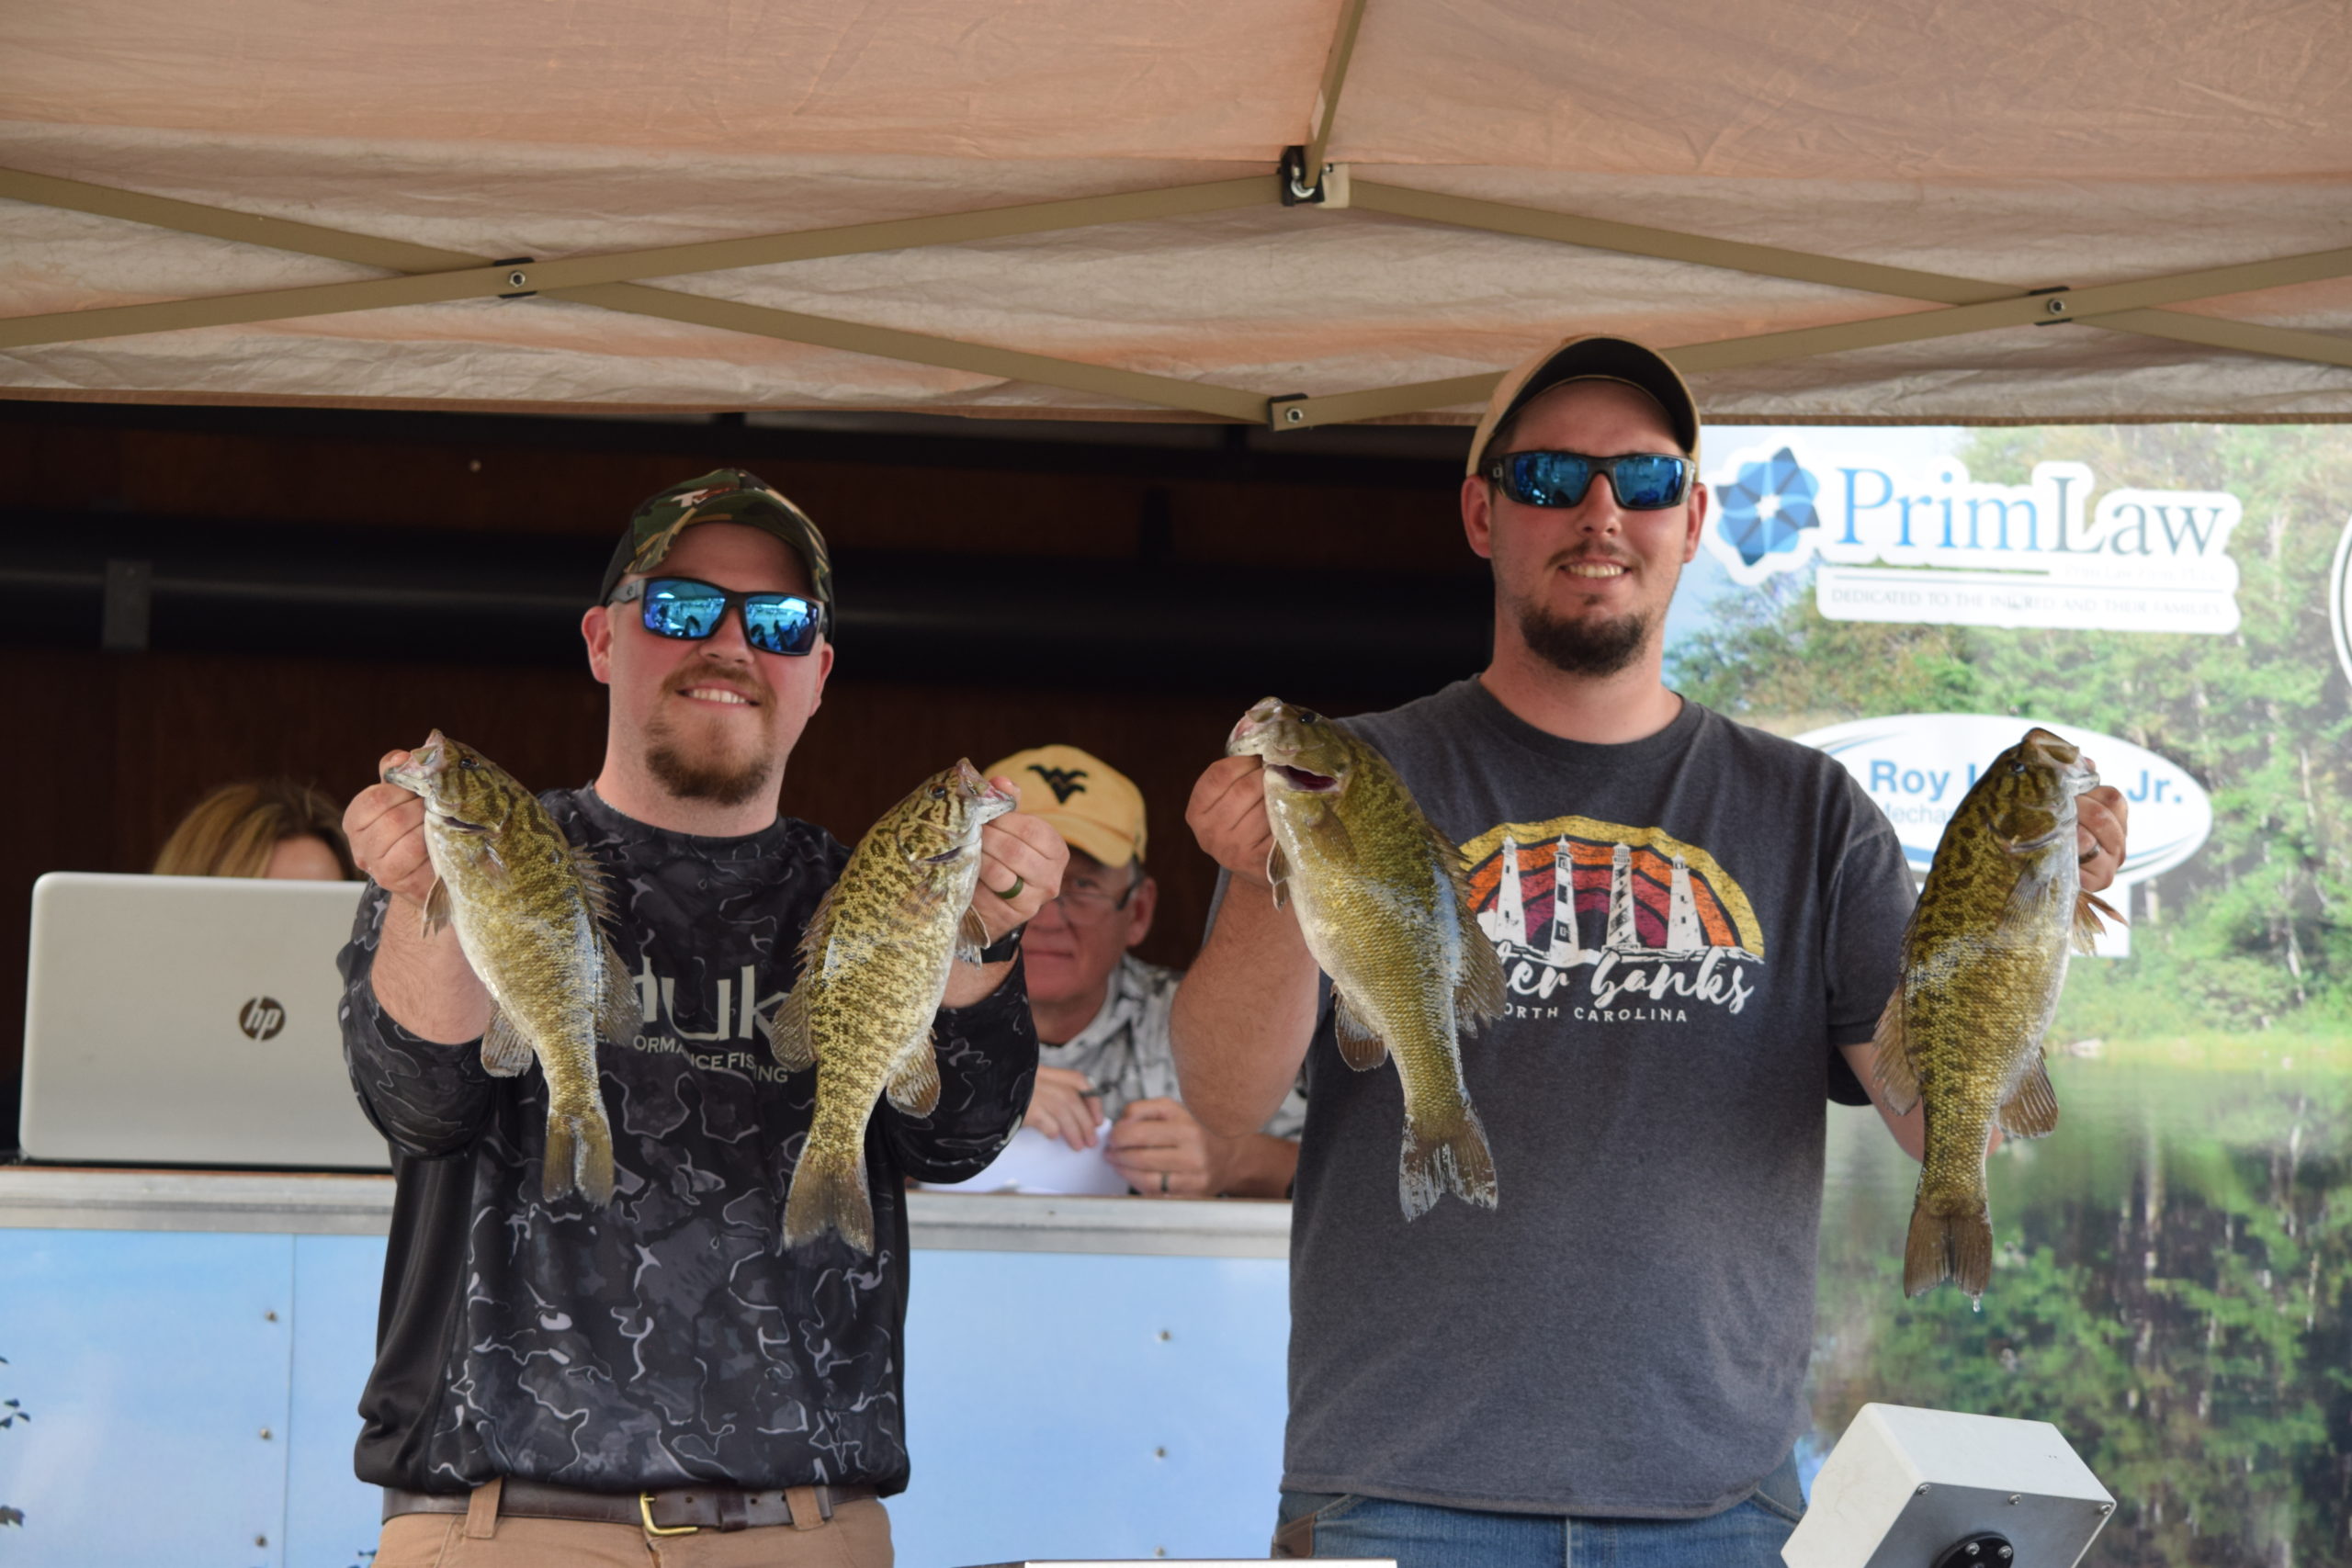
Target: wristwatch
column 1004, row 947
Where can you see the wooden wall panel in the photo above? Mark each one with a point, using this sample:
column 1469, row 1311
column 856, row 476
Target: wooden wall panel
column 111, row 748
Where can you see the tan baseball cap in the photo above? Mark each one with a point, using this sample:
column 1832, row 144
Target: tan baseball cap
column 1090, row 803
column 1591, row 356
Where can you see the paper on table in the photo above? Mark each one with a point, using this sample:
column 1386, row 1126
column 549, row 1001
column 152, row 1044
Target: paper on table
column 1033, row 1162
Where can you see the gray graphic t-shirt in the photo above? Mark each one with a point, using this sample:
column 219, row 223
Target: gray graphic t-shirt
column 1689, row 924
column 669, row 1338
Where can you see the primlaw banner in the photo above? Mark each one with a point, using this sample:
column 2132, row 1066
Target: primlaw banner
column 2172, row 596
column 2173, row 1275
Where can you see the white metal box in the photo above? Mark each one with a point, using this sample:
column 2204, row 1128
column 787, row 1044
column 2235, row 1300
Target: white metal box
column 1904, row 1485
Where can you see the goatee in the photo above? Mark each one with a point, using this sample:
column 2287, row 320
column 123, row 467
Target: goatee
column 698, row 764
column 1583, row 647
column 715, row 780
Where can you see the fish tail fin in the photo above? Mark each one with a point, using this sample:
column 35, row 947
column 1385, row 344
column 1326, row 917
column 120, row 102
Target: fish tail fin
column 829, row 1190
column 579, row 1155
column 1944, row 1245
column 1458, row 1162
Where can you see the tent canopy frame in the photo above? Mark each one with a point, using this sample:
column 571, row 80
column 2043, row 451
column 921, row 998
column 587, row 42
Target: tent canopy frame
column 615, row 281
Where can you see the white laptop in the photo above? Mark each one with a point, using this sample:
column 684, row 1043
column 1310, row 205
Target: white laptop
column 190, row 1020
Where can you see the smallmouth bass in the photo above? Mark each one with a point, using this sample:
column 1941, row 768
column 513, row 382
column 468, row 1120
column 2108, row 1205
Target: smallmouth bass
column 530, row 909
column 1984, row 960
column 1380, row 898
column 874, row 964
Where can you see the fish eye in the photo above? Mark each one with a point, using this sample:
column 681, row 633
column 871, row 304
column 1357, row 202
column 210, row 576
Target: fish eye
column 2018, row 766
column 939, row 791
column 1308, row 716
column 465, row 762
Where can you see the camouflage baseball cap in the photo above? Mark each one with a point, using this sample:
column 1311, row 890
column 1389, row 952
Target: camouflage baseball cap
column 723, row 495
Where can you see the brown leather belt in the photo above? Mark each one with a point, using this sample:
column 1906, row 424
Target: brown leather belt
column 676, row 1510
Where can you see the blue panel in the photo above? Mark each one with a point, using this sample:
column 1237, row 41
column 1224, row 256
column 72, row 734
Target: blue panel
column 1041, row 1390
column 150, row 1367
column 1041, row 1394
column 331, row 1519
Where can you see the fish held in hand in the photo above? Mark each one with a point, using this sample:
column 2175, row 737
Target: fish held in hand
column 1381, row 899
column 874, row 964
column 529, row 908
column 1984, row 960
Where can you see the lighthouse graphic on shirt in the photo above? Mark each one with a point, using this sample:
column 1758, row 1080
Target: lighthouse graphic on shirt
column 1605, row 923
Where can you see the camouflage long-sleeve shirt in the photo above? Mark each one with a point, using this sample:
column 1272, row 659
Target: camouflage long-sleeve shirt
column 669, row 1338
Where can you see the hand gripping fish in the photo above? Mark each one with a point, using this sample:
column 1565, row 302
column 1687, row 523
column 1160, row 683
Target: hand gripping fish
column 530, row 909
column 1381, row 903
column 1984, row 959
column 874, row 966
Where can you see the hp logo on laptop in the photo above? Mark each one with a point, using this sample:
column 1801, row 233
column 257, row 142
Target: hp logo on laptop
column 261, row 1018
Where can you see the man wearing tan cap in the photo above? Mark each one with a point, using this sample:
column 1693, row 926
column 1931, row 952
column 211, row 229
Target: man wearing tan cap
column 1699, row 925
column 1102, row 1012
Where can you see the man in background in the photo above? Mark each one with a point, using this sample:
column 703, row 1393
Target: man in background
column 1102, row 1012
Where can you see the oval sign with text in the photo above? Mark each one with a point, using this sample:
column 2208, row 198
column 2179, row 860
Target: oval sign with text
column 1917, row 765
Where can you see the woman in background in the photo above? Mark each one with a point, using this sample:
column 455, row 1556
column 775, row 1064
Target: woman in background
column 268, row 828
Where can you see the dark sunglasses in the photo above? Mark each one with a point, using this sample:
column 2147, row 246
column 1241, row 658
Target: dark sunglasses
column 1644, row 481
column 683, row 608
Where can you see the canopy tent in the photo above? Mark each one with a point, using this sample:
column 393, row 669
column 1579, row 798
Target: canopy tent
column 1904, row 209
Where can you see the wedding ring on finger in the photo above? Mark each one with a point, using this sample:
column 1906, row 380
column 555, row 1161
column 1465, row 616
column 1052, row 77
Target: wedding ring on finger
column 1009, row 894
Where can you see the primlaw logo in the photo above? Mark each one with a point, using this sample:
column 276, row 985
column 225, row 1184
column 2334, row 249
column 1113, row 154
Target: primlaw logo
column 1927, row 543
column 1916, row 766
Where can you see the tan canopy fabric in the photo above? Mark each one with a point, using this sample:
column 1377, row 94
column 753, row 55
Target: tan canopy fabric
column 1829, row 212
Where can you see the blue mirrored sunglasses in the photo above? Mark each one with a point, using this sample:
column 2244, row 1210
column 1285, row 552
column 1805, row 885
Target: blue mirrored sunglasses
column 683, row 608
column 1644, row 481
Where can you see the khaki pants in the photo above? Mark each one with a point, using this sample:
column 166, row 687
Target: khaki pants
column 857, row 1536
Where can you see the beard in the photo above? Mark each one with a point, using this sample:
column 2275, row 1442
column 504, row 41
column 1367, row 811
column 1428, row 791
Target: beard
column 1583, row 647
column 705, row 767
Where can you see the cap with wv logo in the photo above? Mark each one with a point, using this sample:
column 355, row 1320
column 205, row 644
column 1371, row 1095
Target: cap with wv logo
column 1090, row 803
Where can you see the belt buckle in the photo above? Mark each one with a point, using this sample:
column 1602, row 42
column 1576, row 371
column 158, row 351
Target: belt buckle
column 645, row 1513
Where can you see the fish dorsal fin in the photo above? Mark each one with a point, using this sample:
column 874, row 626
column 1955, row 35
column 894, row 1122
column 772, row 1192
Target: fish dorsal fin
column 505, row 1052
column 789, row 1040
column 788, row 1031
column 621, row 1012
column 1898, row 1077
column 437, row 910
column 595, row 887
column 1480, row 994
column 971, row 935
column 2032, row 1112
column 1359, row 1046
column 914, row 1088
column 1278, row 874
column 814, row 935
column 2088, row 907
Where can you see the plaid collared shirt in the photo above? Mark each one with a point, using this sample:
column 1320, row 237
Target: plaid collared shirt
column 1125, row 1053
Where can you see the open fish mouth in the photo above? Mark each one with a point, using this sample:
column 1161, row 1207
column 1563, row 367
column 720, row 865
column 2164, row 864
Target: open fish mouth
column 975, row 786
column 425, row 764
column 1305, row 781
column 2065, row 756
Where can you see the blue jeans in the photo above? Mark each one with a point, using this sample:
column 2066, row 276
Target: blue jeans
column 1419, row 1535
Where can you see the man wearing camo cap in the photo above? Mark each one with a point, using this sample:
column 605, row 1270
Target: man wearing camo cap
column 560, row 1383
